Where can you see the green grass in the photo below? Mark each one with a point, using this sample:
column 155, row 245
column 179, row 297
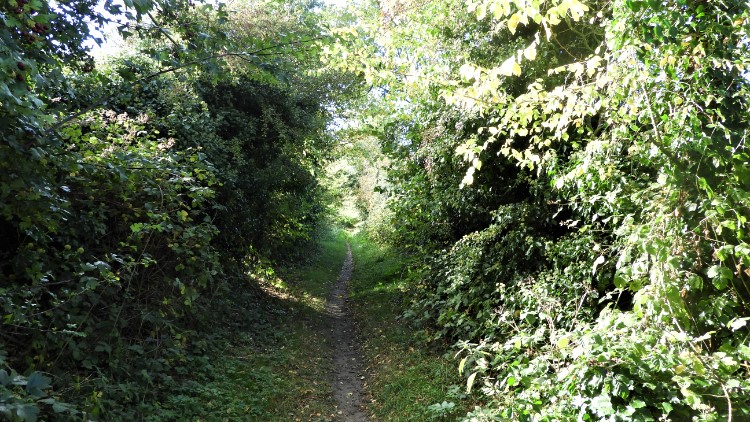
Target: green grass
column 406, row 376
column 276, row 365
column 278, row 369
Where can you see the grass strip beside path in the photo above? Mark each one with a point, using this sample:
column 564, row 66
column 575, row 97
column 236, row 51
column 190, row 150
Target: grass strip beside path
column 408, row 380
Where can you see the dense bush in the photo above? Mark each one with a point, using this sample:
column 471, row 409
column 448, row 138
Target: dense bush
column 613, row 285
column 137, row 197
column 269, row 141
column 99, row 282
column 482, row 285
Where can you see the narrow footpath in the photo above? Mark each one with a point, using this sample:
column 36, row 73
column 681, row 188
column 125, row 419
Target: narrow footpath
column 348, row 385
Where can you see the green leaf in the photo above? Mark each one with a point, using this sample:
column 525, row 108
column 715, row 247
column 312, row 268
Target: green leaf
column 470, row 382
column 695, row 282
column 126, row 74
column 27, row 412
column 5, row 378
column 619, row 281
column 530, row 317
column 665, row 407
column 638, row 404
column 744, row 351
column 602, row 405
column 724, row 252
column 36, row 384
column 721, row 276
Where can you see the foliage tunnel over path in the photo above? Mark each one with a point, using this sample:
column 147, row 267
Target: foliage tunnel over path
column 571, row 179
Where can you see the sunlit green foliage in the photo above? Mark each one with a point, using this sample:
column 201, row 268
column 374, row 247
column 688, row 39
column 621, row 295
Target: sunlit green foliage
column 569, row 178
column 612, row 283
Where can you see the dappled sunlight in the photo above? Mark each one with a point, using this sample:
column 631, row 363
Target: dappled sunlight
column 547, row 204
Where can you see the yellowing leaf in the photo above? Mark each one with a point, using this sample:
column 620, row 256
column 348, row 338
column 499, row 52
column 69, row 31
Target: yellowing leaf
column 577, row 10
column 508, row 67
column 530, row 52
column 470, row 382
column 516, row 69
column 513, row 23
column 553, row 18
column 500, row 9
column 481, row 11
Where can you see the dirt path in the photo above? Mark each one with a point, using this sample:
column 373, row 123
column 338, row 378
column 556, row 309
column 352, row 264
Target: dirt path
column 348, row 388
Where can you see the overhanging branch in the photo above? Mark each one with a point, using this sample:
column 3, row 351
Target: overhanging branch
column 244, row 55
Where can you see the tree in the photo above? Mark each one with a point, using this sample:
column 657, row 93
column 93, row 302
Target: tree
column 627, row 122
column 136, row 195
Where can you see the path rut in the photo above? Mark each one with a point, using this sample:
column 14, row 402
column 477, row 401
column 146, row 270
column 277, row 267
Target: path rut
column 348, row 385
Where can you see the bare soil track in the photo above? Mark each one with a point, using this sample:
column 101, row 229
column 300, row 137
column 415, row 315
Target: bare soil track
column 348, row 385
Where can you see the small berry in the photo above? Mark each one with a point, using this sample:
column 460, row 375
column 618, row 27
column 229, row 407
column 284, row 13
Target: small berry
column 21, row 65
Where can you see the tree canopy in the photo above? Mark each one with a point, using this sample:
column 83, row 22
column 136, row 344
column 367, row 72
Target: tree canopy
column 571, row 177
